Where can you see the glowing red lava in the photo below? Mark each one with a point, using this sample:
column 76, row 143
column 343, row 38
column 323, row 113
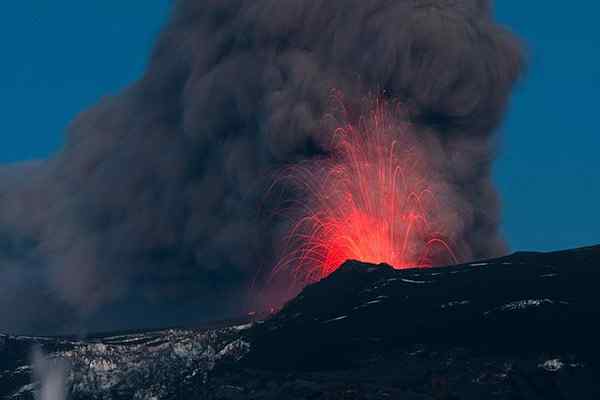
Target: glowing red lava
column 369, row 200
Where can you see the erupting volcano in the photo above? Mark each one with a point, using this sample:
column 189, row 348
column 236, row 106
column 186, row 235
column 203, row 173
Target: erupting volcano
column 371, row 199
column 163, row 196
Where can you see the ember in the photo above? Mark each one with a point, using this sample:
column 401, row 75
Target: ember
column 370, row 200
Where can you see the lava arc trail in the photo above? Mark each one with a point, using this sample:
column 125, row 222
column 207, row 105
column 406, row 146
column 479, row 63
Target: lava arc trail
column 369, row 200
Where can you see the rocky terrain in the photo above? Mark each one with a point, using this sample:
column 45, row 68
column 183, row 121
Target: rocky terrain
column 523, row 326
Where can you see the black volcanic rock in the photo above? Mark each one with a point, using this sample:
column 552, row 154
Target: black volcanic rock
column 523, row 326
column 521, row 304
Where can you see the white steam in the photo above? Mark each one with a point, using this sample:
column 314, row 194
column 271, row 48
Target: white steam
column 51, row 374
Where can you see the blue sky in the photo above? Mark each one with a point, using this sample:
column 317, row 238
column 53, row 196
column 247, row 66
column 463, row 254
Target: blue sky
column 59, row 58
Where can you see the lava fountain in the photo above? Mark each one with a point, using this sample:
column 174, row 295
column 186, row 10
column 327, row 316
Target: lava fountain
column 370, row 199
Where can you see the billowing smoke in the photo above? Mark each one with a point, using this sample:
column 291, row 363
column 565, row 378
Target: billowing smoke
column 154, row 211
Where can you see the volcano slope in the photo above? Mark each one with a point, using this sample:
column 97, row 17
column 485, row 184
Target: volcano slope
column 523, row 326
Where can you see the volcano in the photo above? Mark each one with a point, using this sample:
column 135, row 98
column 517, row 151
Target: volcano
column 522, row 326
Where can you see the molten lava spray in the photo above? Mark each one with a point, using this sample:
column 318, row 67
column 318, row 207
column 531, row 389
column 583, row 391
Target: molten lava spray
column 370, row 200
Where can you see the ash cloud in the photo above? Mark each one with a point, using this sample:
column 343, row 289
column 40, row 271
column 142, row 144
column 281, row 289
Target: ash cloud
column 154, row 211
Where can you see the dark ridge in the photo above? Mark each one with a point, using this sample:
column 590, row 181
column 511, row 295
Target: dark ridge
column 522, row 303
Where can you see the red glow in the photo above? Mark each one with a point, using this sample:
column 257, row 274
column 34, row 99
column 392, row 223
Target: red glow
column 370, row 200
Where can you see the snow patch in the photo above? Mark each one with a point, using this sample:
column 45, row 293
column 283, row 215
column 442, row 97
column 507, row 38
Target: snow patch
column 102, row 365
column 236, row 349
column 553, row 365
column 522, row 305
column 455, row 303
column 243, row 327
column 413, row 281
column 335, row 319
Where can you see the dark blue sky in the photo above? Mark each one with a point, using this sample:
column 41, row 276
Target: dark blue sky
column 58, row 59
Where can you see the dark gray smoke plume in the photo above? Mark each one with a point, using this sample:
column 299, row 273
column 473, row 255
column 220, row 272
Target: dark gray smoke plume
column 154, row 211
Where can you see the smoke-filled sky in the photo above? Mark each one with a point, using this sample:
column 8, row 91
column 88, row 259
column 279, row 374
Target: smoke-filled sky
column 59, row 59
column 153, row 195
